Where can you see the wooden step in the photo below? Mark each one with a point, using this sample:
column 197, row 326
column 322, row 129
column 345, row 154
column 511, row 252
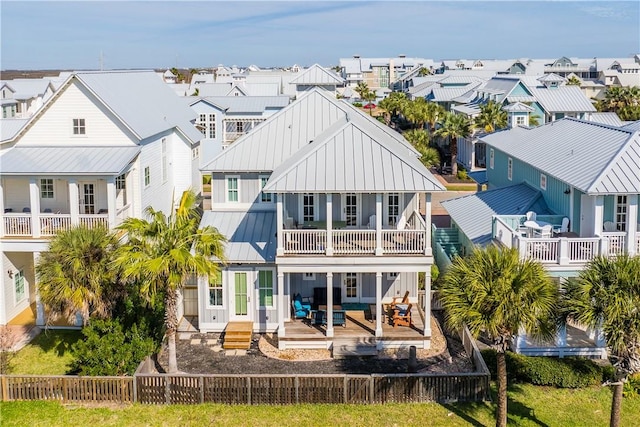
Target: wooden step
column 356, row 348
column 237, row 335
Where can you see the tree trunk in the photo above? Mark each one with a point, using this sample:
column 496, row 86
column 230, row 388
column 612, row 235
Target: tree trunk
column 454, row 156
column 616, row 404
column 501, row 409
column 171, row 324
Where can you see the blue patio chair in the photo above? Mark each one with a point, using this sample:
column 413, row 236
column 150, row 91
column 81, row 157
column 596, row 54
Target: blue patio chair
column 300, row 310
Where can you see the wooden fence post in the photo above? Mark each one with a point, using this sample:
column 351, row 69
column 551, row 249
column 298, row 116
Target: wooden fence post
column 372, row 392
column 296, row 382
column 4, row 391
column 201, row 389
column 64, row 389
column 167, row 390
column 345, row 387
column 135, row 388
column 248, row 390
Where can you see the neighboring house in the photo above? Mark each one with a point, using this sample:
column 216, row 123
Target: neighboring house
column 316, row 76
column 380, row 73
column 320, row 200
column 546, row 98
column 104, row 147
column 582, row 173
column 21, row 98
column 223, row 119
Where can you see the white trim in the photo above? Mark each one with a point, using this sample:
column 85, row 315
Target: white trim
column 392, row 275
column 510, row 169
column 309, row 276
column 146, row 176
column 301, row 207
column 261, row 193
column 20, row 272
column 343, row 214
column 273, row 288
column 237, row 189
column 208, row 297
column 358, row 278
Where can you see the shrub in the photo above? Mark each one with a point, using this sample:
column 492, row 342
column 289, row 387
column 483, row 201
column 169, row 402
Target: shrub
column 632, row 386
column 206, row 179
column 108, row 350
column 462, row 174
column 570, row 372
column 357, row 104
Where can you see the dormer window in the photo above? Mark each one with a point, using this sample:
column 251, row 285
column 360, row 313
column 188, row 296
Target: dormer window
column 79, row 127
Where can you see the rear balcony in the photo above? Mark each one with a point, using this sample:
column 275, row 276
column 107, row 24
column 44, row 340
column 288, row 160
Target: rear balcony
column 562, row 249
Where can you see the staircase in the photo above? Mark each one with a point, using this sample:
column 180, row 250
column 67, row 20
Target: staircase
column 237, row 335
column 346, row 347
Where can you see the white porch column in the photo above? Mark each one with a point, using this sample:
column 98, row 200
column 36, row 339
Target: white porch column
column 561, row 340
column 598, row 216
column 74, row 202
column 111, row 201
column 5, row 282
column 34, row 203
column 632, row 224
column 378, row 304
column 427, row 303
column 563, row 247
column 329, row 244
column 378, row 224
column 39, row 305
column 329, row 304
column 427, row 220
column 281, row 304
column 1, row 211
column 280, row 224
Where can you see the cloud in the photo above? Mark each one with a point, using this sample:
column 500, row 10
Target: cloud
column 606, row 12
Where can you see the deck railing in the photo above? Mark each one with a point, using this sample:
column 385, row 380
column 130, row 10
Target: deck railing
column 17, row 224
column 21, row 225
column 352, row 242
column 94, row 221
column 50, row 224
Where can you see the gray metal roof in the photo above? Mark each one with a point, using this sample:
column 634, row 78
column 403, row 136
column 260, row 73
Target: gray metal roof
column 28, row 88
column 518, row 107
column 632, row 125
column 563, row 98
column 251, row 235
column 352, row 156
column 469, row 110
column 445, row 94
column 551, row 77
column 521, row 98
column 212, row 89
column 67, row 160
column 291, row 129
column 10, row 128
column 317, row 75
column 473, row 213
column 565, row 150
column 248, row 104
column 142, row 101
column 607, row 118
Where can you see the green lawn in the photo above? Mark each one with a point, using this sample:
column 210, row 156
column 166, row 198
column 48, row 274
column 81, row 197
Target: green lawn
column 47, row 354
column 528, row 406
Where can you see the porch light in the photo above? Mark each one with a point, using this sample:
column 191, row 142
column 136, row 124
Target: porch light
column 567, row 191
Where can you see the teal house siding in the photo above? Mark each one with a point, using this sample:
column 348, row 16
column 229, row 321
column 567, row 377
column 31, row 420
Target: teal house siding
column 538, row 111
column 609, row 208
column 575, row 220
column 519, row 90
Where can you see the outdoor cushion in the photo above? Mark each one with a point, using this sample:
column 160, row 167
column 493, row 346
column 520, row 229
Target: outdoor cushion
column 297, row 305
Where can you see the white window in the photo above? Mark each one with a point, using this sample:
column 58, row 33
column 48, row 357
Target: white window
column 233, row 190
column 18, row 286
column 543, row 181
column 79, row 127
column 510, row 169
column 393, row 209
column 265, row 288
column 215, row 289
column 265, row 197
column 164, row 160
column 351, row 285
column 621, row 213
column 392, row 276
column 121, row 187
column 211, row 126
column 519, row 120
column 195, row 153
column 147, row 176
column 239, row 127
column 491, row 158
column 46, row 188
column 309, row 276
column 202, row 124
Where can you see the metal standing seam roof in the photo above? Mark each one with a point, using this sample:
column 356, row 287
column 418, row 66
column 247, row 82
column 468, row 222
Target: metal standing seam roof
column 563, row 98
column 472, row 214
column 565, row 150
column 445, row 94
column 250, row 234
column 28, row 88
column 352, row 157
column 9, row 128
column 142, row 101
column 607, row 118
column 518, row 107
column 632, row 125
column 67, row 160
column 248, row 104
column 317, row 75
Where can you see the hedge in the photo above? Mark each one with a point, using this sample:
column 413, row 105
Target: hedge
column 569, row 372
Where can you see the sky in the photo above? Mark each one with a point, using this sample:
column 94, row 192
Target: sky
column 199, row 34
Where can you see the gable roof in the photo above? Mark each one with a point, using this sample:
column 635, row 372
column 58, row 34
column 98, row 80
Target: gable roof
column 10, row 128
column 317, row 75
column 565, row 150
column 246, row 104
column 287, row 131
column 473, row 213
column 563, row 98
column 352, row 156
column 29, row 88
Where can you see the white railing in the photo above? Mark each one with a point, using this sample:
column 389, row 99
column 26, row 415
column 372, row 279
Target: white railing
column 583, row 249
column 354, row 241
column 50, row 224
column 503, row 232
column 543, row 250
column 305, row 241
column 617, row 242
column 17, row 224
column 94, row 221
column 402, row 241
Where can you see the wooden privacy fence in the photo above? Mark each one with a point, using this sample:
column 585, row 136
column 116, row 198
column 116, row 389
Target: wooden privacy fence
column 67, row 388
column 294, row 389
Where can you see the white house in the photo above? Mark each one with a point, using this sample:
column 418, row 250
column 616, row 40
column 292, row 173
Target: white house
column 104, row 147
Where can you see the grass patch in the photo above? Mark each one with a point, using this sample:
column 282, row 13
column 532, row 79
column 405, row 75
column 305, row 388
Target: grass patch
column 48, row 354
column 461, row 187
column 528, row 406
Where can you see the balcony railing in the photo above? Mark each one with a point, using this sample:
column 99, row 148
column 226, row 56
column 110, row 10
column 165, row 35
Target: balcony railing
column 20, row 224
column 560, row 250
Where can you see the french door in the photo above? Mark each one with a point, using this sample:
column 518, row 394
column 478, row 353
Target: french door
column 88, row 198
column 241, row 298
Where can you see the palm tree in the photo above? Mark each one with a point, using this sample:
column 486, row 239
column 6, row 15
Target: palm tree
column 491, row 118
column 493, row 291
column 394, row 103
column 161, row 253
column 370, row 96
column 606, row 296
column 574, row 81
column 419, row 139
column 434, row 112
column 361, row 89
column 454, row 126
column 75, row 276
column 424, row 72
column 416, row 111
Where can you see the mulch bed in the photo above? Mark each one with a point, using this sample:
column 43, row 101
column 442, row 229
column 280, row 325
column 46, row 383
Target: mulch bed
column 201, row 359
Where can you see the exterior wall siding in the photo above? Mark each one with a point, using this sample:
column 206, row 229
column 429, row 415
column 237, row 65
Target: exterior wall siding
column 16, row 261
